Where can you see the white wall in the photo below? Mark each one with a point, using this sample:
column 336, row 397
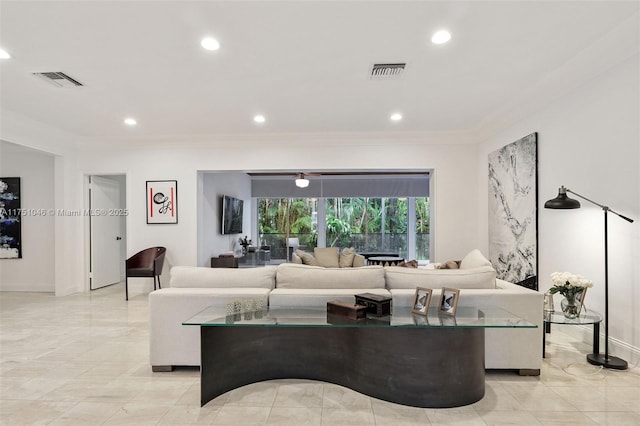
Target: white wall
column 214, row 186
column 68, row 189
column 454, row 183
column 589, row 141
column 35, row 271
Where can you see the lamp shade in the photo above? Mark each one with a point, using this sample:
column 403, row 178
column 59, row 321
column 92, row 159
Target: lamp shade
column 301, row 181
column 562, row 201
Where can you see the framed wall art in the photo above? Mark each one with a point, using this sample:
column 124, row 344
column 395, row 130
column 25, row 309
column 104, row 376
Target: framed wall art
column 10, row 218
column 513, row 212
column 162, row 201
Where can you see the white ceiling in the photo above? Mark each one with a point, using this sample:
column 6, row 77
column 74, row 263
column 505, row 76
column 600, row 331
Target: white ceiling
column 303, row 64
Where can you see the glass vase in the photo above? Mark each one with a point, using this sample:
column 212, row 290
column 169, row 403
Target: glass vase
column 569, row 307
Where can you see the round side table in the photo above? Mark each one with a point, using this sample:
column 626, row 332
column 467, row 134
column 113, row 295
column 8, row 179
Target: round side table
column 585, row 317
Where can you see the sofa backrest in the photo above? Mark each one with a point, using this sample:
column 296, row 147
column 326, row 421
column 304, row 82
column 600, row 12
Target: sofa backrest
column 292, row 275
column 400, row 277
column 329, row 257
column 201, row 277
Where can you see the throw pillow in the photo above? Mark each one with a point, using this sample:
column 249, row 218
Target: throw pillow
column 474, row 259
column 412, row 264
column 327, row 256
column 307, row 258
column 409, row 264
column 451, row 264
column 346, row 257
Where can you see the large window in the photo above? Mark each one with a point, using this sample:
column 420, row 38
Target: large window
column 382, row 225
column 282, row 218
column 368, row 224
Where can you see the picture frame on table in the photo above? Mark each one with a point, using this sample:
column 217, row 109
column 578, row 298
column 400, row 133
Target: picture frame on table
column 448, row 301
column 421, row 300
column 580, row 299
column 162, row 201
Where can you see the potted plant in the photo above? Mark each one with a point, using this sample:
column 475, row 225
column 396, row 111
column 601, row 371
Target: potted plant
column 569, row 285
column 245, row 243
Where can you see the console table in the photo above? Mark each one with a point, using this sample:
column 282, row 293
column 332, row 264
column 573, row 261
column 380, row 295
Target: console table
column 403, row 358
column 252, row 259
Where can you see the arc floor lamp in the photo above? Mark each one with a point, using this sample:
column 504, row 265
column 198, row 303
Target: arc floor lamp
column 562, row 201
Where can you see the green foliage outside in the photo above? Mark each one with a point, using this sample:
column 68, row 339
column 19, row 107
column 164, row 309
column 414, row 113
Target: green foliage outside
column 369, row 224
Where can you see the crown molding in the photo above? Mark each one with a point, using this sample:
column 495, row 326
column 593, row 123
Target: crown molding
column 243, row 141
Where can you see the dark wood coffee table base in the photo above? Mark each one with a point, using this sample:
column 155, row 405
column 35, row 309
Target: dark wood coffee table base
column 435, row 368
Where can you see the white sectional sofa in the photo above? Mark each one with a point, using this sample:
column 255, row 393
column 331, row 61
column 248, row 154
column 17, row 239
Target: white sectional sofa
column 292, row 285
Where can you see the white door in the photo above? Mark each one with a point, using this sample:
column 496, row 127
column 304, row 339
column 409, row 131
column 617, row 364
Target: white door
column 106, row 232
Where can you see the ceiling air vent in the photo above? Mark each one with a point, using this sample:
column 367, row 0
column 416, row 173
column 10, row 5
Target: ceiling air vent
column 386, row 71
column 58, row 79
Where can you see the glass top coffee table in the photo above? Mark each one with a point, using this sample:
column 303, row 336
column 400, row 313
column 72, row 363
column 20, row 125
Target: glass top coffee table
column 466, row 317
column 403, row 358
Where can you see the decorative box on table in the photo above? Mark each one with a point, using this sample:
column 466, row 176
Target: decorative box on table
column 349, row 310
column 376, row 305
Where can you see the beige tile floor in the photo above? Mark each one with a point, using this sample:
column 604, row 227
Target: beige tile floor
column 83, row 360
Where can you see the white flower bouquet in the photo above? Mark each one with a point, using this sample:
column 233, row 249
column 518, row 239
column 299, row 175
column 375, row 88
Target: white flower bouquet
column 568, row 284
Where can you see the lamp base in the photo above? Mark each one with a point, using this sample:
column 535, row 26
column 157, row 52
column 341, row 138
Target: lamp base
column 607, row 362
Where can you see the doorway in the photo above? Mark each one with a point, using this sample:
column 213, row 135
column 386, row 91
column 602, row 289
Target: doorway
column 107, row 230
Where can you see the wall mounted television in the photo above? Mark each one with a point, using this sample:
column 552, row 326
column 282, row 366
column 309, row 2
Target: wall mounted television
column 231, row 215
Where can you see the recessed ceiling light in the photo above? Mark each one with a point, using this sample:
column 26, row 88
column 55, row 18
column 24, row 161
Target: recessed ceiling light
column 441, row 37
column 210, row 43
column 259, row 119
column 130, row 121
column 396, row 116
column 4, row 54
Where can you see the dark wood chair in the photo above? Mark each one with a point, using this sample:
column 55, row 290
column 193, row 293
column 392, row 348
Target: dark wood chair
column 145, row 264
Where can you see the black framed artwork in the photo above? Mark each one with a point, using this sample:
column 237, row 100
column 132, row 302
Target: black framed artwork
column 10, row 218
column 162, row 201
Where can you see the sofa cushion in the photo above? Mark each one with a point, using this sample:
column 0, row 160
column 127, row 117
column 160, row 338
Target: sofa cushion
column 327, row 256
column 201, row 277
column 291, row 275
column 399, row 277
column 346, row 257
column 359, row 261
column 307, row 258
column 474, row 259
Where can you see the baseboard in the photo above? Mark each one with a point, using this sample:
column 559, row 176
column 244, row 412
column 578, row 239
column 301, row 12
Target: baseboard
column 621, row 349
column 28, row 288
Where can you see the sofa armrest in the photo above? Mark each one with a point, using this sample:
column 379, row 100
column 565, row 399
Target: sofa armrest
column 512, row 348
column 505, row 348
column 170, row 342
